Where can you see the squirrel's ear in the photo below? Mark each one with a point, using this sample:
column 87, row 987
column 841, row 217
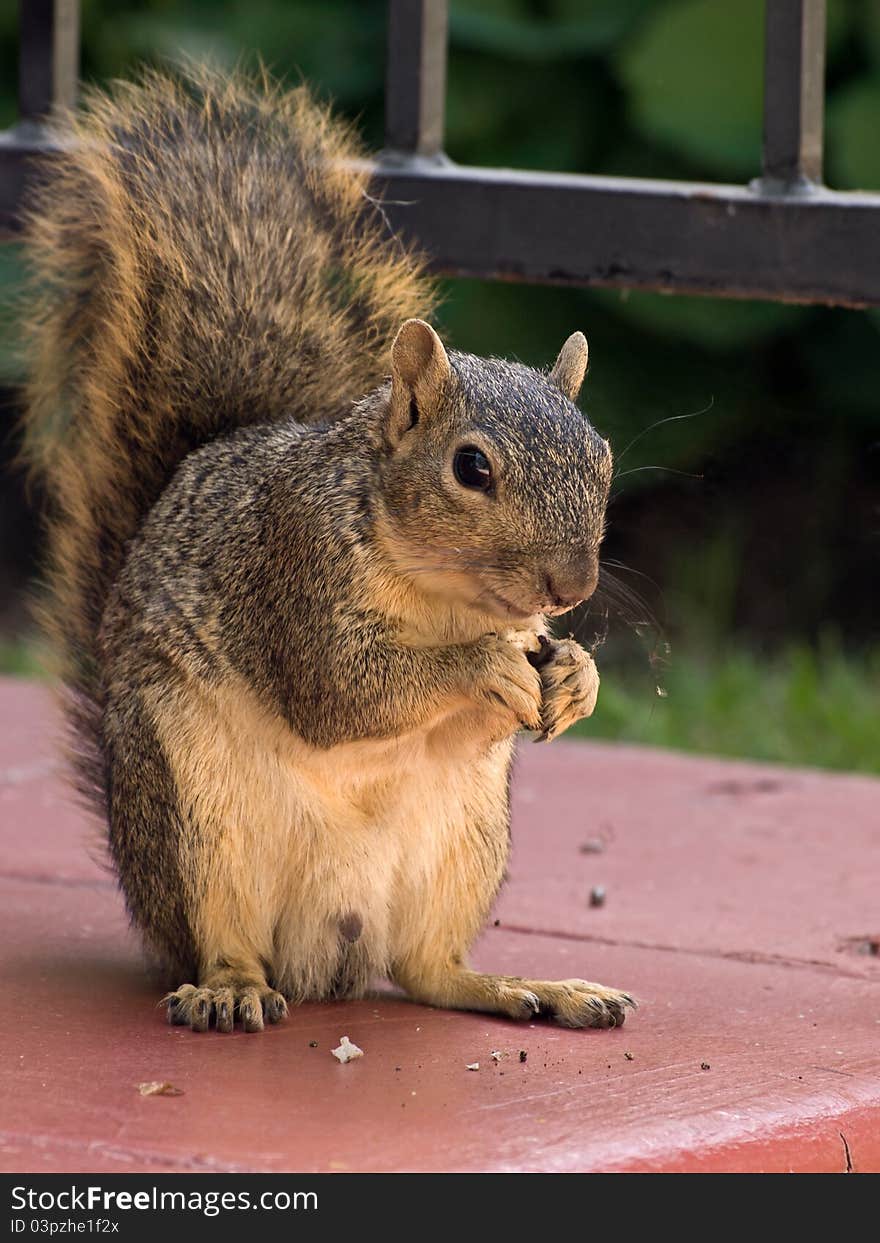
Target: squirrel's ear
column 571, row 366
column 419, row 370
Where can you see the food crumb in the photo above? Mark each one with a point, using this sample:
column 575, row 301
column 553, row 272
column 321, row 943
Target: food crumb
column 705, row 1066
column 497, row 1054
column 497, row 923
column 523, row 1055
column 629, row 1056
column 592, row 846
column 472, row 1066
column 346, row 1051
column 313, row 1044
column 597, row 895
column 157, row 1088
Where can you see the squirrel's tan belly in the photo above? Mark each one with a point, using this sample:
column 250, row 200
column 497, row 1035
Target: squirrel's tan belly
column 321, row 863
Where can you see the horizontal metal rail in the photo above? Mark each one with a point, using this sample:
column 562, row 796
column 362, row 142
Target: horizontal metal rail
column 680, row 237
column 785, row 236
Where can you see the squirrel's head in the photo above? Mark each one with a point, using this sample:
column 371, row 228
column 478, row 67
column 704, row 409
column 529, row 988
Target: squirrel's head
column 494, row 482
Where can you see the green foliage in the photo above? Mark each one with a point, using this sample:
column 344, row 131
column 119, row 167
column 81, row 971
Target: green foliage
column 693, row 77
column 810, row 706
column 22, row 658
column 717, row 325
column 854, row 125
column 568, row 29
column 11, row 275
column 495, row 118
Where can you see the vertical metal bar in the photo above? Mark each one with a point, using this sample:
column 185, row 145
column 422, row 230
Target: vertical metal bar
column 415, row 83
column 48, row 65
column 794, row 90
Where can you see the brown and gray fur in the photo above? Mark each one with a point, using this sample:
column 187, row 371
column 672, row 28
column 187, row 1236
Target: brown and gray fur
column 296, row 649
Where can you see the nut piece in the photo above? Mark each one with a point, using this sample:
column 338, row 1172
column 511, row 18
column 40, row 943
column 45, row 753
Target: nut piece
column 346, row 1051
column 527, row 641
column 158, row 1088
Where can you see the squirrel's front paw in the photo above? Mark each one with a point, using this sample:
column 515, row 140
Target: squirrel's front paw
column 199, row 1007
column 505, row 679
column 569, row 685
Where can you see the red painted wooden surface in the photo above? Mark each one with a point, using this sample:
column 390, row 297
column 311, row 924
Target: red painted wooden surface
column 741, row 908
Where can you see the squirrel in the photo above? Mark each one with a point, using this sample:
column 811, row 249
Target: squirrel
column 300, row 557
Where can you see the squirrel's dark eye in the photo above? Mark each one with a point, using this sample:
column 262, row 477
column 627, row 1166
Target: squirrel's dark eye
column 472, row 469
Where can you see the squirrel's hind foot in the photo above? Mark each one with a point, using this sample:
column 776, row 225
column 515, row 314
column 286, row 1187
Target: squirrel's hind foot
column 577, row 1003
column 571, row 1003
column 251, row 1005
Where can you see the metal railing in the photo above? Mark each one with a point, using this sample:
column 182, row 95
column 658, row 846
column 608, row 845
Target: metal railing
column 784, row 236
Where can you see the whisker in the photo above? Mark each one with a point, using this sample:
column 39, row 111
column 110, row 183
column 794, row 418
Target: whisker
column 673, row 418
column 628, row 569
column 669, row 470
column 617, row 597
column 599, row 636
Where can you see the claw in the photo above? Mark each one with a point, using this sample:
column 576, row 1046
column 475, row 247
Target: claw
column 201, row 1017
column 197, row 1007
column 276, row 1008
column 544, row 654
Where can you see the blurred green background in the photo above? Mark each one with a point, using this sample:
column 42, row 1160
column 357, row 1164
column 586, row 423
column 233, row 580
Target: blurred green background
column 748, row 530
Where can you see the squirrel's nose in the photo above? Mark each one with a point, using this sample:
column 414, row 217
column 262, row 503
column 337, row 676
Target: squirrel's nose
column 568, row 588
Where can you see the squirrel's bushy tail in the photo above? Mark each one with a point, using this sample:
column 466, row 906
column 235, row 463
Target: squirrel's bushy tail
column 204, row 255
